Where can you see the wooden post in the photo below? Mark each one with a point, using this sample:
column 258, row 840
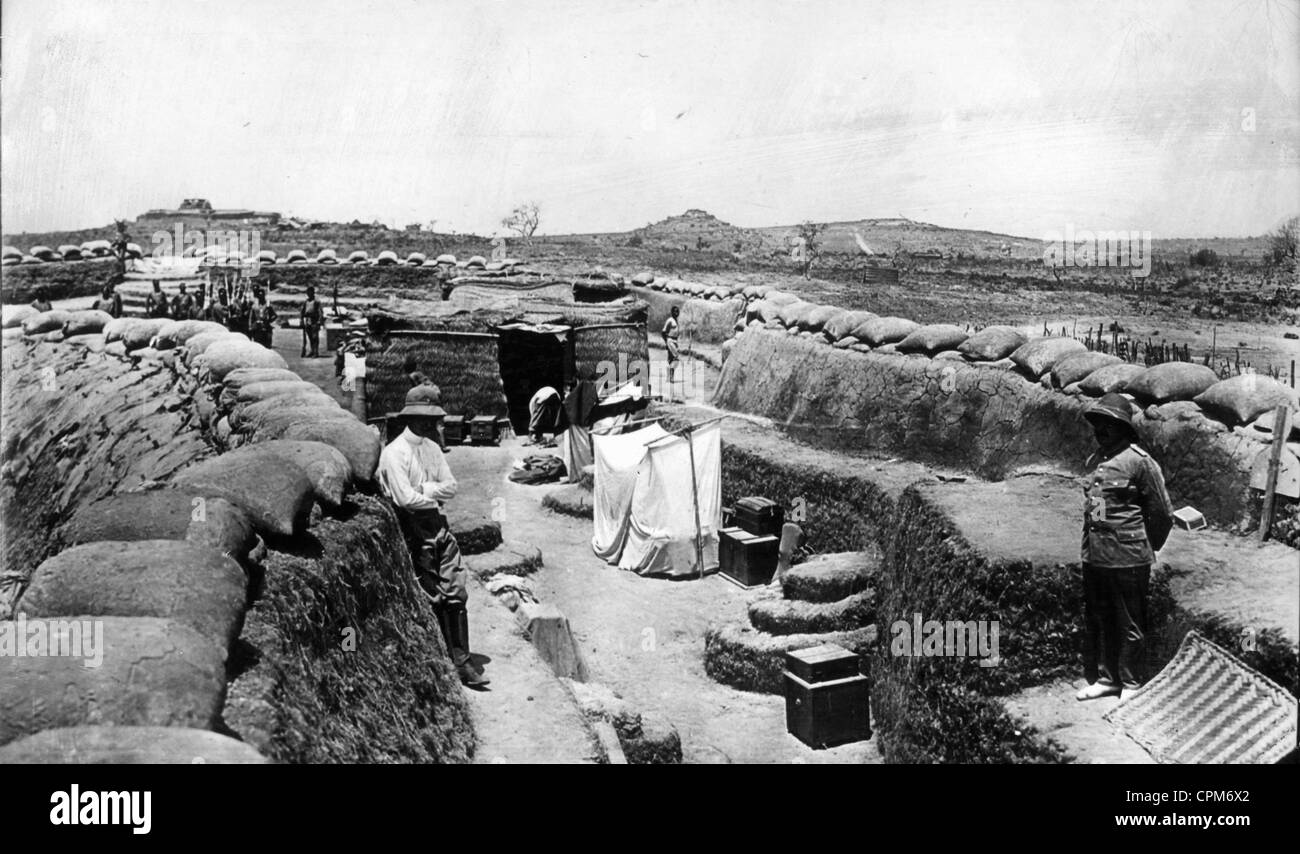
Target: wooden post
column 1293, row 373
column 695, row 500
column 1274, row 460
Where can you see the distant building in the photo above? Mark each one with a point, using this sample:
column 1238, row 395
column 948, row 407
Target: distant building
column 200, row 212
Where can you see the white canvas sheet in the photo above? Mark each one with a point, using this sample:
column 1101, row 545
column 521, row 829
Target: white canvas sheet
column 656, row 534
column 617, row 461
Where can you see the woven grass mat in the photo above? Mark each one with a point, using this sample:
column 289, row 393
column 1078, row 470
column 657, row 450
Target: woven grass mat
column 1206, row 707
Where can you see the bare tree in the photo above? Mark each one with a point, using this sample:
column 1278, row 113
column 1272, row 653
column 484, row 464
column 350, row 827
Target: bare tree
column 524, row 219
column 1283, row 241
column 808, row 244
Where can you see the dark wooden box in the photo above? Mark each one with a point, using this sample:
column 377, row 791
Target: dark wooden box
column 824, row 714
column 822, row 663
column 746, row 559
column 759, row 515
column 483, row 430
column 504, row 430
column 453, row 429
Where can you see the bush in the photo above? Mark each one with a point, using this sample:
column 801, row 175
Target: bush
column 1205, row 258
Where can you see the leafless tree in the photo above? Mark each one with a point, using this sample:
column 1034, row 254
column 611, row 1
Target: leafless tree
column 1283, row 241
column 524, row 219
column 808, row 244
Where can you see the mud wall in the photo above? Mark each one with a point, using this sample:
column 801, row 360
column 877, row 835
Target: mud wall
column 337, row 659
column 703, row 320
column 978, row 418
column 61, row 279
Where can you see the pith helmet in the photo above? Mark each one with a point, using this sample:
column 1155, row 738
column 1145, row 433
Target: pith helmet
column 1112, row 407
column 423, row 401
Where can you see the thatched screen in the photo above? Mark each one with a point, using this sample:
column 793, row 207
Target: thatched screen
column 459, row 352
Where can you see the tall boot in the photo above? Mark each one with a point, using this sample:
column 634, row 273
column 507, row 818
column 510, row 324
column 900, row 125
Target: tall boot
column 470, row 673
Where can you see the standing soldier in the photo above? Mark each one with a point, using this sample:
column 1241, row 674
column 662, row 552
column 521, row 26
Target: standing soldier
column 262, row 321
column 219, row 311
column 671, row 332
column 239, row 313
column 312, row 317
column 155, row 305
column 182, row 304
column 413, row 473
column 1127, row 518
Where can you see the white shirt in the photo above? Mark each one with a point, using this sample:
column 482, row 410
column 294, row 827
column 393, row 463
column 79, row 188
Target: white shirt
column 413, row 472
column 543, row 394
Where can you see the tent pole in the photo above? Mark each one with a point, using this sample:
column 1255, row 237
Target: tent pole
column 695, row 500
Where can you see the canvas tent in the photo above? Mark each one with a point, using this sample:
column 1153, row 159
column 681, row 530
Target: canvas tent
column 658, row 500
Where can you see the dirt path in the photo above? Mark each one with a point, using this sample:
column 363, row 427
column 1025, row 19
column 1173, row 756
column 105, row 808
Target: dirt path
column 644, row 638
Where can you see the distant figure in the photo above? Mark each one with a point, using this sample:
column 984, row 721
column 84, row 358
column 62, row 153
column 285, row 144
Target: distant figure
column 182, row 304
column 671, row 332
column 261, row 321
column 219, row 311
column 312, row 316
column 199, row 311
column 155, row 305
column 109, row 301
column 240, row 310
column 1127, row 518
column 543, row 414
column 40, row 300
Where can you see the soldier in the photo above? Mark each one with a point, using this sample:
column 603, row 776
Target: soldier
column 41, row 300
column 413, row 473
column 1127, row 518
column 182, row 304
column 156, row 305
column 261, row 320
column 671, row 332
column 312, row 317
column 109, row 301
column 219, row 311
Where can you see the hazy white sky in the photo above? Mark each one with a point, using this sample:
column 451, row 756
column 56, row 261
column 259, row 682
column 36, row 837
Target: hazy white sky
column 1181, row 118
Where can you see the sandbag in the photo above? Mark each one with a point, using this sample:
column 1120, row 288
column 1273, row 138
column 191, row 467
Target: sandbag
column 781, row 297
column 769, row 312
column 325, row 466
column 1242, row 399
column 749, row 292
column 884, row 330
column 177, row 332
column 87, row 322
column 164, row 514
column 224, row 355
column 992, row 343
column 274, row 415
column 191, row 584
column 1110, row 378
column 814, row 320
column 643, row 278
column 1038, row 356
column 727, row 347
column 259, row 391
column 1171, row 381
column 45, row 322
column 753, row 310
column 14, row 315
column 153, row 672
column 199, row 344
column 241, row 377
column 932, row 338
column 128, row 745
column 843, row 324
column 276, row 494
column 358, row 442
column 790, row 313
column 846, row 342
column 1076, row 368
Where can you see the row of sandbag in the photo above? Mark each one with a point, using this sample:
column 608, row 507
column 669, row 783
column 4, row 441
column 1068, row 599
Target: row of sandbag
column 693, row 289
column 159, row 570
column 1057, row 362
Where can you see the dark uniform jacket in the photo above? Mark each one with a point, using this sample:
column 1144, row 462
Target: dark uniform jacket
column 1127, row 514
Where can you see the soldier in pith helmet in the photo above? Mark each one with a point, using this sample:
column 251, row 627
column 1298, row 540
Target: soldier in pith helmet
column 1127, row 518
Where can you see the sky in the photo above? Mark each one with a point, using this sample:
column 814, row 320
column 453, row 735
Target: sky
column 1181, row 118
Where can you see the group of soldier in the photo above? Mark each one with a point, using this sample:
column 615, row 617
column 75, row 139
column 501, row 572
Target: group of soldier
column 250, row 313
